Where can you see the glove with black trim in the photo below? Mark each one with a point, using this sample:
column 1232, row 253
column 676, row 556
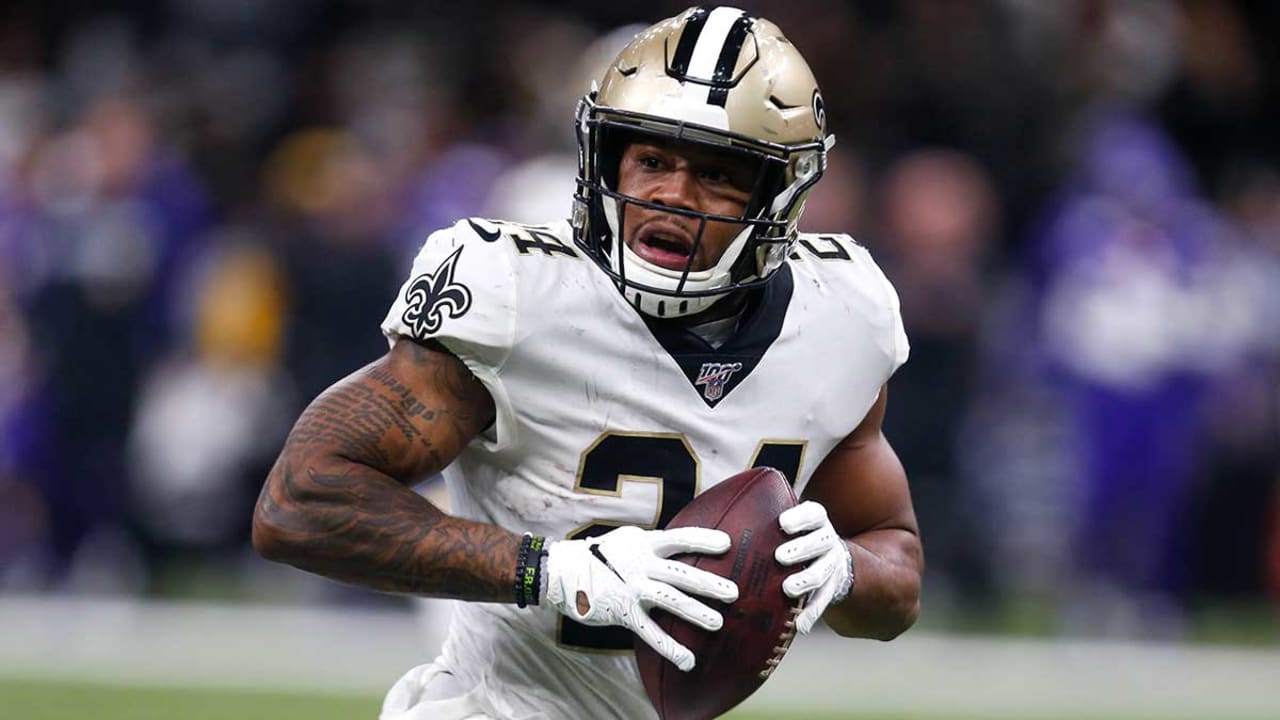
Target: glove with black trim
column 616, row 578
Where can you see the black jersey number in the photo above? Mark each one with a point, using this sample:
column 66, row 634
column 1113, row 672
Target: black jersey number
column 824, row 247
column 667, row 461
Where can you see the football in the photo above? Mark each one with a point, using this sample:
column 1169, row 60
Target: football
column 734, row 661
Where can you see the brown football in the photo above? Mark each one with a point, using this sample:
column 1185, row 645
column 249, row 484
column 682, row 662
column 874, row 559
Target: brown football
column 758, row 628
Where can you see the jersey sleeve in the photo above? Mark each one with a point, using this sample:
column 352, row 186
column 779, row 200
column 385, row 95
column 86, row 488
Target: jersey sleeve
column 461, row 292
column 874, row 297
column 895, row 337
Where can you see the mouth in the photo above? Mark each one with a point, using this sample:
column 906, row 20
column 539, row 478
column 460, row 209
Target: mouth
column 665, row 246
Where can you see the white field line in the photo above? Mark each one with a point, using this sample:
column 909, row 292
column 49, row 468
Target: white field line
column 361, row 651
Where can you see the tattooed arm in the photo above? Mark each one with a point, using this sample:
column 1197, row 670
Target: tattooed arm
column 338, row 502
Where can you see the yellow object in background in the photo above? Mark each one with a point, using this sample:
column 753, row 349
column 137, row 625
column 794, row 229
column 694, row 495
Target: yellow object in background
column 240, row 310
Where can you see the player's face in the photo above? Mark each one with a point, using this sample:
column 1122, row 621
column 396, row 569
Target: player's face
column 688, row 177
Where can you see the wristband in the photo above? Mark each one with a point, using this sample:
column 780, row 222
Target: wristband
column 843, row 591
column 528, row 580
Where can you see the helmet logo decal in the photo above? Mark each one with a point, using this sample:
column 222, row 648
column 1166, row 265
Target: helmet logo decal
column 714, row 376
column 431, row 295
column 819, row 111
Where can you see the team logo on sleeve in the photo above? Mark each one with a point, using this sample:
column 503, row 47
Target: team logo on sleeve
column 713, row 376
column 432, row 295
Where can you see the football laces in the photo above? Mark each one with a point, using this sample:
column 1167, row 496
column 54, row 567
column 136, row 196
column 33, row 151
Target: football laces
column 784, row 640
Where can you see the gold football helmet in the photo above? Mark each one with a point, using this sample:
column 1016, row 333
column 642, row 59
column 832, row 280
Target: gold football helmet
column 716, row 77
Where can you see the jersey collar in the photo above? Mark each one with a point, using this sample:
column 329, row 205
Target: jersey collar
column 714, row 372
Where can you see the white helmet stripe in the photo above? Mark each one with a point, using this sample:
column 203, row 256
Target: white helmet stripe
column 706, row 52
column 728, row 60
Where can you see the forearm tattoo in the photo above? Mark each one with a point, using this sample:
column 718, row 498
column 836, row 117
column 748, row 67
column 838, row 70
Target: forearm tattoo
column 337, row 501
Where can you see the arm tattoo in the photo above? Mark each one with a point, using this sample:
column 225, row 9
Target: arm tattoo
column 355, row 526
column 335, row 503
column 457, row 383
column 369, row 415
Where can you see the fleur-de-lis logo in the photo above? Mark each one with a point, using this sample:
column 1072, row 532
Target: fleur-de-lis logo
column 431, row 295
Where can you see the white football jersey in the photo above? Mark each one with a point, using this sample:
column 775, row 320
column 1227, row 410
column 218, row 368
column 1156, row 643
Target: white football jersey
column 608, row 417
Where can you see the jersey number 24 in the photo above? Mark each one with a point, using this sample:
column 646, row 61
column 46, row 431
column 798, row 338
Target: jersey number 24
column 664, row 459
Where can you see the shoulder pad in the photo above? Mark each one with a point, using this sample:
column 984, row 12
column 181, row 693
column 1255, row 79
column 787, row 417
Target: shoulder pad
column 839, row 262
column 461, row 289
column 548, row 240
column 461, row 292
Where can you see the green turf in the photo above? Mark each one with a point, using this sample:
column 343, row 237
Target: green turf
column 46, row 699
column 52, row 700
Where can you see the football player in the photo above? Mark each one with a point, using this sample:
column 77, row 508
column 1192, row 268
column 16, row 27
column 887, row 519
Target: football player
column 579, row 382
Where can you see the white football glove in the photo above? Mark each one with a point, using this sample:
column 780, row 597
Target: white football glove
column 622, row 574
column 830, row 576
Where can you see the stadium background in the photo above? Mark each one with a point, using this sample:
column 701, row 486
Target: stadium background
column 205, row 207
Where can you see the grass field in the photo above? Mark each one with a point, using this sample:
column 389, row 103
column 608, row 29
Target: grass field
column 45, row 700
column 51, row 700
column 38, row 699
column 96, row 659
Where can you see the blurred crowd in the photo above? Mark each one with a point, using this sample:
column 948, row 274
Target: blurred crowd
column 206, row 208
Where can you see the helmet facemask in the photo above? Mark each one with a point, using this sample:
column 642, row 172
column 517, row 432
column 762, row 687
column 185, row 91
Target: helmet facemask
column 782, row 179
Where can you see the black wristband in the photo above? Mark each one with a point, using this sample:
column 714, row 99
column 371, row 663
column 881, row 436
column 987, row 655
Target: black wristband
column 528, row 581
